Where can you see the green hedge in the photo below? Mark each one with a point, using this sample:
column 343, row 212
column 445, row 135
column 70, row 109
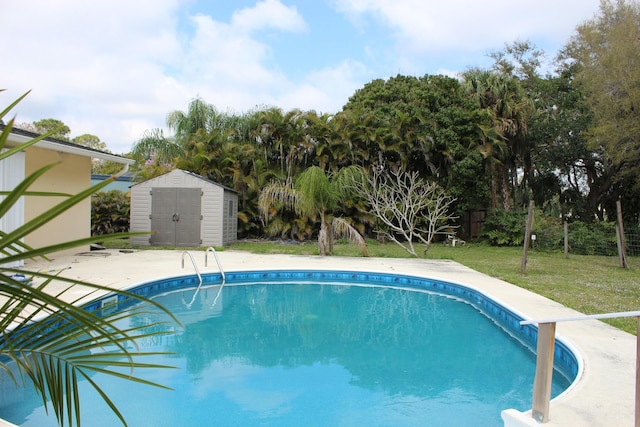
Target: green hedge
column 109, row 212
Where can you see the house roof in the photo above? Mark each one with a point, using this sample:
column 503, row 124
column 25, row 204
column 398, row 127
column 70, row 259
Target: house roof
column 128, row 177
column 20, row 136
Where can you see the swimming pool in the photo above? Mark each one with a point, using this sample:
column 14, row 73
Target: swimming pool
column 297, row 348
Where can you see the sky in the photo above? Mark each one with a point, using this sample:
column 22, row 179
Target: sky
column 116, row 68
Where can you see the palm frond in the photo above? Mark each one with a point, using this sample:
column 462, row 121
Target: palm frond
column 49, row 338
column 275, row 194
column 319, row 193
column 342, row 228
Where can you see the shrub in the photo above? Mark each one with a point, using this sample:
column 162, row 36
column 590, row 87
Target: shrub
column 598, row 238
column 504, row 228
column 549, row 231
column 109, row 212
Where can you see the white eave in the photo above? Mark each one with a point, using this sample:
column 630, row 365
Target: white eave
column 72, row 149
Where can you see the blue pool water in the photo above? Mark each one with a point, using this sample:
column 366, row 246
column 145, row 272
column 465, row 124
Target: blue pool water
column 278, row 354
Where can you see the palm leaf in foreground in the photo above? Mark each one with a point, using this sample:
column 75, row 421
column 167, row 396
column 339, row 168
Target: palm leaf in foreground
column 49, row 339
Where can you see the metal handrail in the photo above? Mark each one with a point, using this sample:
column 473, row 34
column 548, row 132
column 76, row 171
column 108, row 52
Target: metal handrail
column 582, row 317
column 193, row 261
column 215, row 255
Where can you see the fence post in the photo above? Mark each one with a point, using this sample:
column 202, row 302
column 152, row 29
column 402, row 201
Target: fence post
column 527, row 237
column 544, row 371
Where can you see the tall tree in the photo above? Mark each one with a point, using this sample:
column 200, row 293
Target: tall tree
column 504, row 143
column 91, row 141
column 54, row 127
column 604, row 51
column 569, row 177
column 200, row 115
column 423, row 124
column 156, row 148
column 159, row 149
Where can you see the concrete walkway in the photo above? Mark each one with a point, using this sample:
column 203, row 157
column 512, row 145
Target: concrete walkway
column 602, row 396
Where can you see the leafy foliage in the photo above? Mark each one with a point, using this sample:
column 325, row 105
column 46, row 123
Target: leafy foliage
column 53, row 127
column 602, row 57
column 598, row 238
column 504, row 228
column 549, row 232
column 315, row 195
column 495, row 138
column 110, row 212
column 90, row 140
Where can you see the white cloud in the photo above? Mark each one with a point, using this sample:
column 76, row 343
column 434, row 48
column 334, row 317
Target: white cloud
column 420, row 25
column 328, row 89
column 269, row 14
column 115, row 68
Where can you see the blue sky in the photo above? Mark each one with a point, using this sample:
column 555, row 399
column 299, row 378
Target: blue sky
column 116, row 68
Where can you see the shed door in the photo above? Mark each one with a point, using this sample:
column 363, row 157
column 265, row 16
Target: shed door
column 175, row 216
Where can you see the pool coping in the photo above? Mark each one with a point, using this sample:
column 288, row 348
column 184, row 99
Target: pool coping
column 605, row 388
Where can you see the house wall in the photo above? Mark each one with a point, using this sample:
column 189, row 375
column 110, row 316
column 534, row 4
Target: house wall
column 12, row 174
column 71, row 175
column 214, row 230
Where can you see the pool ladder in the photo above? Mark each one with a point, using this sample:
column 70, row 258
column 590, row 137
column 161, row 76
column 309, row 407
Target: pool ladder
column 195, row 267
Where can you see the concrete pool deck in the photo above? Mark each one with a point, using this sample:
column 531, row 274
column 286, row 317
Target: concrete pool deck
column 604, row 394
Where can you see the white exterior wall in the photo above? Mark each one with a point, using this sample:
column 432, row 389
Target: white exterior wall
column 211, row 225
column 139, row 212
column 12, row 174
column 214, row 230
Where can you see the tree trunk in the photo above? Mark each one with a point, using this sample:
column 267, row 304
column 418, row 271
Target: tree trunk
column 322, row 236
column 504, row 190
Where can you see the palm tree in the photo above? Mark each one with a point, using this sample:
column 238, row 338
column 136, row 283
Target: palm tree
column 502, row 97
column 316, row 195
column 69, row 344
column 155, row 147
column 199, row 116
column 277, row 133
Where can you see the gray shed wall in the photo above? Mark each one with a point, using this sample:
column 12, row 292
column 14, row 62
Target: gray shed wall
column 219, row 225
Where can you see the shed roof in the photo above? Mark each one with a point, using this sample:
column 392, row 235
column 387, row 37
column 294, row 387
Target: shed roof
column 192, row 174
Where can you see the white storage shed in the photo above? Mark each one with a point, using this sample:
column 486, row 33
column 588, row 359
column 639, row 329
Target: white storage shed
column 182, row 208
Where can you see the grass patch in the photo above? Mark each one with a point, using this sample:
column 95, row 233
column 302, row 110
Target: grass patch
column 589, row 284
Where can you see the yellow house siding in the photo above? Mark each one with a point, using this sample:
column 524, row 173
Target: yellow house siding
column 71, row 175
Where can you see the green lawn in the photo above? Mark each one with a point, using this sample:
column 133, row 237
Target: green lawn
column 589, row 284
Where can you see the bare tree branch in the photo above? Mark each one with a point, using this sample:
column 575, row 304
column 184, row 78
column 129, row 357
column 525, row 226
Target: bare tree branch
column 408, row 208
